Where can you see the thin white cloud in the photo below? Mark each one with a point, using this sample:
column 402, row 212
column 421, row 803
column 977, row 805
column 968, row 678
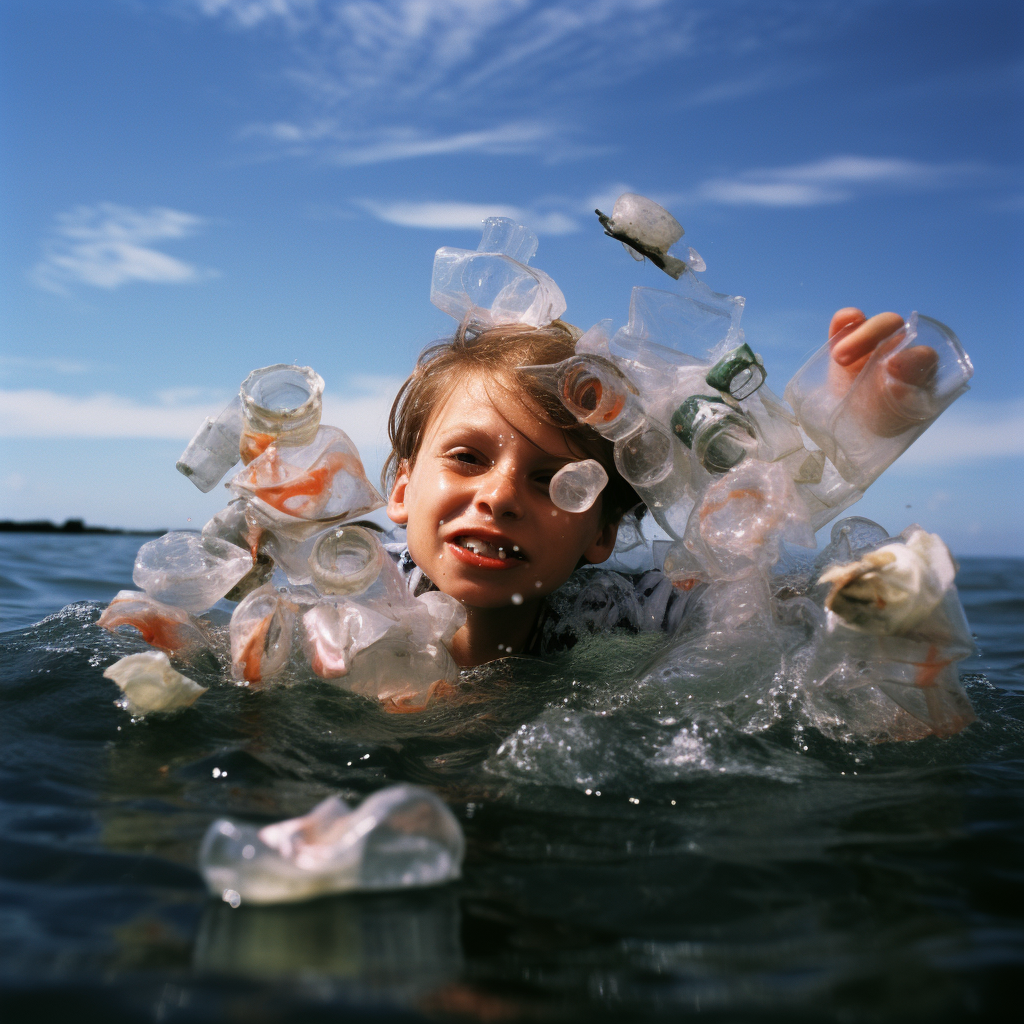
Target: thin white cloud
column 107, row 245
column 47, row 365
column 175, row 415
column 834, row 179
column 459, row 216
column 970, row 431
column 385, row 145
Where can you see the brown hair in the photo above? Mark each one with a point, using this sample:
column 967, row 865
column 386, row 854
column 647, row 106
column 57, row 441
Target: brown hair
column 498, row 353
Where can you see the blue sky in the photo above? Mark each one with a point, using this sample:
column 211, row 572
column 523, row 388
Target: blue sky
column 193, row 188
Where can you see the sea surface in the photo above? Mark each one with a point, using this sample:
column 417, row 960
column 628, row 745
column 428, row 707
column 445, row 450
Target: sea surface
column 735, row 866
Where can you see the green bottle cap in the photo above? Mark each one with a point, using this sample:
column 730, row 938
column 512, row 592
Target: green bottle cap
column 739, row 373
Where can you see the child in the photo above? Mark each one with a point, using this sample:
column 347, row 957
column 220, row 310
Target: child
column 475, row 443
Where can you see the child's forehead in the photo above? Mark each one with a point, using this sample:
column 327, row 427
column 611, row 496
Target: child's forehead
column 489, row 404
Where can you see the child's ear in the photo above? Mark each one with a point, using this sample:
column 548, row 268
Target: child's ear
column 396, row 509
column 601, row 549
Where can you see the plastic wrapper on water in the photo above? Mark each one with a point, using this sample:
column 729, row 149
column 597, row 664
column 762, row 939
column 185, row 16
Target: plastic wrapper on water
column 400, row 837
column 577, row 485
column 282, row 405
column 892, row 588
column 150, row 684
column 215, row 447
column 161, row 625
column 488, row 287
column 190, row 570
column 262, row 628
column 864, row 426
column 291, row 488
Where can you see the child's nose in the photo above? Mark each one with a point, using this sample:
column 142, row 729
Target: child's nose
column 498, row 495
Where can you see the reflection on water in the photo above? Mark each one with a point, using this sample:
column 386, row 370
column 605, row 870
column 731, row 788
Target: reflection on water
column 635, row 850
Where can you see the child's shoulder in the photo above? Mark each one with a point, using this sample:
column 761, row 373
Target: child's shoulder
column 594, row 600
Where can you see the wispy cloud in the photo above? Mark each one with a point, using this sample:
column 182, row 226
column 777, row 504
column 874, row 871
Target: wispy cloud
column 971, row 430
column 458, row 216
column 46, row 365
column 107, row 245
column 835, row 179
column 176, row 414
column 350, row 149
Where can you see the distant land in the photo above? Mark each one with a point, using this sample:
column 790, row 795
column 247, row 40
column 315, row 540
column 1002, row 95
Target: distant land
column 69, row 526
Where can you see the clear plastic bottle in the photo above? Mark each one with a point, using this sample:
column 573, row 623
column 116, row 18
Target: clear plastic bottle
column 281, row 405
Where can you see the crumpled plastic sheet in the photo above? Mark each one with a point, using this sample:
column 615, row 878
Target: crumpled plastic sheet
column 149, row 684
column 190, row 570
column 400, row 837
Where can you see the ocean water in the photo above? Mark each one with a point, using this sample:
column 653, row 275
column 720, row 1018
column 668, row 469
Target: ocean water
column 736, row 866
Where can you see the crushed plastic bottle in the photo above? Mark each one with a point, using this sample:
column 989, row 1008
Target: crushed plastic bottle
column 492, row 286
column 161, row 625
column 190, row 570
column 577, row 485
column 262, row 628
column 215, row 447
column 400, row 837
column 149, row 684
column 646, row 228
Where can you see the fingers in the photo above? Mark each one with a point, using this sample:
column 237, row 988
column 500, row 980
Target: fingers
column 844, row 319
column 857, row 340
column 918, row 366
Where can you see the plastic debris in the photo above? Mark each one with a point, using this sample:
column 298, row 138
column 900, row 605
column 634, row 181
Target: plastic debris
column 894, row 587
column 215, row 447
column 150, row 684
column 261, row 634
column 161, row 625
column 648, row 229
column 400, row 837
column 577, row 485
column 190, row 570
column 282, row 406
column 495, row 286
column 864, row 425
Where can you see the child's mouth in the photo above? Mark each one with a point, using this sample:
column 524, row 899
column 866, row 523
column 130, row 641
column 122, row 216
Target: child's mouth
column 487, row 552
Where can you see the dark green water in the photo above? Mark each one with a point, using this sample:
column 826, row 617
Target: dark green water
column 737, row 865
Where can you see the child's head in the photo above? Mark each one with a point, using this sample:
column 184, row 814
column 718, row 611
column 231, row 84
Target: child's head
column 475, row 442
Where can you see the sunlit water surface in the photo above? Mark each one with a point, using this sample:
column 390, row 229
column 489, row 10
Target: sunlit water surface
column 634, row 853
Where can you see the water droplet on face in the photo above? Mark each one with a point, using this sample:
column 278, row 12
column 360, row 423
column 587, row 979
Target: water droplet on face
column 517, row 598
column 537, row 584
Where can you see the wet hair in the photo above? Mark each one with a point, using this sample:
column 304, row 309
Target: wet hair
column 496, row 354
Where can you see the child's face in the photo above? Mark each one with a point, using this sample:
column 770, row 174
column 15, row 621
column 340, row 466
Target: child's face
column 479, row 519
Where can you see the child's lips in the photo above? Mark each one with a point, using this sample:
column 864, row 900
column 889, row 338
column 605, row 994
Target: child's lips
column 486, row 552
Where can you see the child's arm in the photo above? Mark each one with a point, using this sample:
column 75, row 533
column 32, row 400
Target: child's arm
column 852, row 339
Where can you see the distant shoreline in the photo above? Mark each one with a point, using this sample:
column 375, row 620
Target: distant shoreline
column 75, row 526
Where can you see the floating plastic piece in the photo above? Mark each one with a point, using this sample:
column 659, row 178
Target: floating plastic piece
column 658, row 469
column 647, row 228
column 892, row 588
column 161, row 625
column 739, row 373
column 864, row 426
column 282, row 406
column 577, row 485
column 719, row 436
column 150, row 684
column 262, row 627
column 346, row 560
column 317, row 483
column 495, row 286
column 334, row 632
column 736, row 528
column 400, row 837
column 189, row 570
column 696, row 261
column 215, row 447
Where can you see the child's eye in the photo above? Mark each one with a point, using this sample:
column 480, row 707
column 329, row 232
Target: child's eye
column 466, row 458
